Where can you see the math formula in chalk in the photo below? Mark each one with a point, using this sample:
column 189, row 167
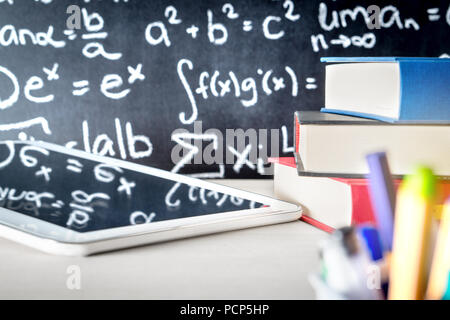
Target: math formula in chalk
column 218, row 32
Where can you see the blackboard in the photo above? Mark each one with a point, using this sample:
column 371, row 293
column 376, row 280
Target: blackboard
column 141, row 80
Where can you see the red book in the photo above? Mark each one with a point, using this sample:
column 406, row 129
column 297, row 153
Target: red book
column 329, row 202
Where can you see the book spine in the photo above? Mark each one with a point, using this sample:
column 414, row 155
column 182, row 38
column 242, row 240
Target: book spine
column 425, row 93
column 296, row 133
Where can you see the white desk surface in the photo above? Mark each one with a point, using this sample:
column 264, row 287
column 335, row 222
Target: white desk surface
column 270, row 262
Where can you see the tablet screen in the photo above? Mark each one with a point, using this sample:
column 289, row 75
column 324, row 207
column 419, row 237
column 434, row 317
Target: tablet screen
column 85, row 195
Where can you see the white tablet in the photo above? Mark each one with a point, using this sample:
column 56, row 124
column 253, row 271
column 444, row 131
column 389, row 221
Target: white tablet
column 69, row 202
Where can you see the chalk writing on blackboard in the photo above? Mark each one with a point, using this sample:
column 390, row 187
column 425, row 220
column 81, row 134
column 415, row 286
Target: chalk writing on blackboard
column 120, row 77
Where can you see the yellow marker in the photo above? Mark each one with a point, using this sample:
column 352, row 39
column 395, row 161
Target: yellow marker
column 413, row 216
column 440, row 267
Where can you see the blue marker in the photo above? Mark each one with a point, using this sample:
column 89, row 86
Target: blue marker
column 382, row 194
column 372, row 239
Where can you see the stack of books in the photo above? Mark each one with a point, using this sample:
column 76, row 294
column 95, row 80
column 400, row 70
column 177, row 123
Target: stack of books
column 400, row 106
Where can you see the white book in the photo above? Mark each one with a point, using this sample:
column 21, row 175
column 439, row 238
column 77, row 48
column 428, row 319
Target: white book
column 392, row 89
column 336, row 145
column 326, row 200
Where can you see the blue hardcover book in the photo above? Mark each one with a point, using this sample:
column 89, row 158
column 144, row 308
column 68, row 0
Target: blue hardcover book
column 392, row 89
